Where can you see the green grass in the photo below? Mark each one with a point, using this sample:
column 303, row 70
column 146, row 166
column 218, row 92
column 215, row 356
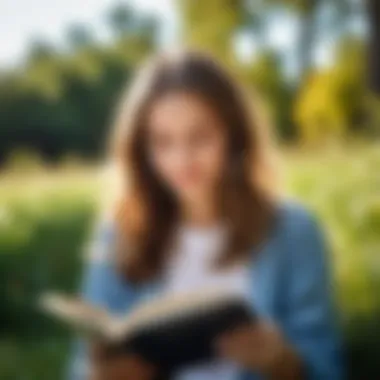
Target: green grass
column 343, row 188
column 45, row 220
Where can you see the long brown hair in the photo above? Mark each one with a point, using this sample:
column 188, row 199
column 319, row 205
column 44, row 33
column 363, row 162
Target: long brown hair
column 146, row 212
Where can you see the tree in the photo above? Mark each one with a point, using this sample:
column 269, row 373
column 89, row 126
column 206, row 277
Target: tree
column 331, row 102
column 121, row 19
column 60, row 103
column 40, row 50
column 267, row 77
column 211, row 25
column 311, row 24
column 307, row 10
column 373, row 10
column 79, row 36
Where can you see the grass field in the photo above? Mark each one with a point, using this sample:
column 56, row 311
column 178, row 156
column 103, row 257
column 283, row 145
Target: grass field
column 45, row 217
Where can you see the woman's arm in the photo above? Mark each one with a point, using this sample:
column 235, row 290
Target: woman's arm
column 101, row 286
column 305, row 344
column 287, row 366
column 261, row 348
column 309, row 319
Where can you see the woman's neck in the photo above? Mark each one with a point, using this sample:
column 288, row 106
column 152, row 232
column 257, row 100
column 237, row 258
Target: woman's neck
column 201, row 212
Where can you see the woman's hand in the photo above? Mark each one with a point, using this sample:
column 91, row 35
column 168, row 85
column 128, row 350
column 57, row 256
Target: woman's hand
column 261, row 347
column 119, row 366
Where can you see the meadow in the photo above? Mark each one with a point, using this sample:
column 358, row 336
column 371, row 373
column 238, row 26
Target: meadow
column 46, row 217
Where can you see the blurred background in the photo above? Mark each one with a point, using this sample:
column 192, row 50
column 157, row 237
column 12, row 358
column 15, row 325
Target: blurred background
column 63, row 65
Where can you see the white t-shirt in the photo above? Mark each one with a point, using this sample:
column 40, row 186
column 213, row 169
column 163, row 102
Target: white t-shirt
column 191, row 268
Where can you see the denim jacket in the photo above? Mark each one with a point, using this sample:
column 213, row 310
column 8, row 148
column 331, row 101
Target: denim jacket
column 290, row 285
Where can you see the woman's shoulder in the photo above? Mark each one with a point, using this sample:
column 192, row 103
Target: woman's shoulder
column 102, row 241
column 294, row 214
column 297, row 224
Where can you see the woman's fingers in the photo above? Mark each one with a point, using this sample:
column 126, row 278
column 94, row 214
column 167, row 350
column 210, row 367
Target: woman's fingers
column 97, row 351
column 252, row 345
column 128, row 367
column 119, row 366
column 232, row 344
column 236, row 337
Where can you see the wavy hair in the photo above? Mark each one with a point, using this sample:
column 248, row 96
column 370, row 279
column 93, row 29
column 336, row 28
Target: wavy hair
column 146, row 213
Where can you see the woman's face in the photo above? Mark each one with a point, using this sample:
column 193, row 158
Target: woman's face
column 186, row 145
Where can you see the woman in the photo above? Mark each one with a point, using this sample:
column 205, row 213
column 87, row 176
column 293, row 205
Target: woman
column 195, row 211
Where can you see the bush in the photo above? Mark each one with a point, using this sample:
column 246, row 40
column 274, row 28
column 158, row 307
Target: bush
column 41, row 239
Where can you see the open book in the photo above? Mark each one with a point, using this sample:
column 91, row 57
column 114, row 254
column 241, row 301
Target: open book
column 171, row 331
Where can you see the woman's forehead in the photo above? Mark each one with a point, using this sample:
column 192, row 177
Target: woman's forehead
column 180, row 111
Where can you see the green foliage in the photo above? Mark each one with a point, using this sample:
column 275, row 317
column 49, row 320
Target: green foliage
column 34, row 257
column 61, row 103
column 43, row 225
column 266, row 76
column 212, row 25
column 121, row 19
column 331, row 102
column 79, row 37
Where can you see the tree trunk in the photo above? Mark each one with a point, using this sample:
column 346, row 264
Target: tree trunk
column 373, row 9
column 306, row 39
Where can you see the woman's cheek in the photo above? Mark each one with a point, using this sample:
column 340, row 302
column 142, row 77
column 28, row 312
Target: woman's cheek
column 166, row 167
column 211, row 163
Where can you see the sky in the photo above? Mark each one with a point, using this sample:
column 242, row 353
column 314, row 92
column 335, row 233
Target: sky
column 22, row 21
